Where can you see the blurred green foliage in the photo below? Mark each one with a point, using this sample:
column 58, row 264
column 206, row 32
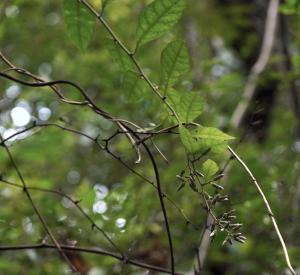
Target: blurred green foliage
column 33, row 35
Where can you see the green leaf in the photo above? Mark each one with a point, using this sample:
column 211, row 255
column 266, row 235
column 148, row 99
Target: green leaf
column 104, row 4
column 134, row 86
column 203, row 138
column 188, row 105
column 218, row 149
column 187, row 140
column 211, row 136
column 158, row 18
column 210, row 168
column 79, row 23
column 119, row 56
column 174, row 63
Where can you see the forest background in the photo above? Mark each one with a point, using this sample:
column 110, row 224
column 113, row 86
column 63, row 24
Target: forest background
column 244, row 67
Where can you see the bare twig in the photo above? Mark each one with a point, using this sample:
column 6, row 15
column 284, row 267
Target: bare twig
column 156, row 91
column 268, row 207
column 105, row 148
column 88, row 101
column 95, row 251
column 36, row 210
column 74, row 202
column 162, row 204
column 155, row 168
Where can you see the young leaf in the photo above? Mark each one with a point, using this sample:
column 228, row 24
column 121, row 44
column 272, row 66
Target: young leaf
column 210, row 136
column 119, row 56
column 157, row 18
column 187, row 140
column 210, row 168
column 188, row 106
column 192, row 106
column 174, row 63
column 134, row 87
column 204, row 138
column 79, row 23
column 104, row 4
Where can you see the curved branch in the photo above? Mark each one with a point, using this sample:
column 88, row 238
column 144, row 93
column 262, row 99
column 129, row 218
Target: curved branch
column 88, row 101
column 162, row 205
column 94, row 140
column 74, row 202
column 268, row 207
column 95, row 251
column 34, row 207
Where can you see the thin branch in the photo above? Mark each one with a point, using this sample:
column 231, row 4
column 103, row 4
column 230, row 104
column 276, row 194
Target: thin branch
column 205, row 239
column 108, row 151
column 259, row 66
column 268, row 207
column 36, row 210
column 131, row 55
column 162, row 204
column 74, row 202
column 120, row 124
column 88, row 101
column 95, row 251
column 159, row 151
column 161, row 196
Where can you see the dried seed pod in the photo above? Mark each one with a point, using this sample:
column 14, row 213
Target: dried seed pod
column 179, row 177
column 227, row 225
column 217, row 186
column 181, row 186
column 182, row 173
column 213, row 233
column 227, row 240
column 240, row 239
column 236, row 226
column 215, row 198
column 218, row 177
column 199, row 174
column 223, row 198
column 230, row 212
column 193, row 186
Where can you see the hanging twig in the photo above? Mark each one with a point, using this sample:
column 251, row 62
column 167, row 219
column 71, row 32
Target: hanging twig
column 268, row 207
